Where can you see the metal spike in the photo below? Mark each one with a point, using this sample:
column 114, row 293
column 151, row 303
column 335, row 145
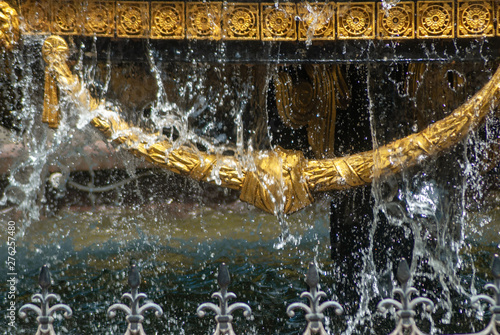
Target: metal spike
column 405, row 307
column 495, row 267
column 134, row 278
column 44, row 278
column 403, row 274
column 314, row 311
column 45, row 312
column 135, row 310
column 224, row 310
column 312, row 277
column 223, row 279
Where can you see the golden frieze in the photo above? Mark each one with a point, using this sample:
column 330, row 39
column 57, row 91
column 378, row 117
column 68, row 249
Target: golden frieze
column 204, row 20
column 241, row 22
column 396, row 22
column 132, row 19
column 435, row 19
column 278, row 22
column 475, row 18
column 284, row 21
column 316, row 21
column 356, row 20
column 167, row 19
column 36, row 17
column 67, row 18
column 100, row 19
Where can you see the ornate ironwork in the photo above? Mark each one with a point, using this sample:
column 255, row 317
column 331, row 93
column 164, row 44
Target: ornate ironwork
column 314, row 312
column 405, row 306
column 405, row 309
column 45, row 312
column 494, row 325
column 135, row 311
column 224, row 311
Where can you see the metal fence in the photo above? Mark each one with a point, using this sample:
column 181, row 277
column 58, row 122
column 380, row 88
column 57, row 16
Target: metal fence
column 404, row 307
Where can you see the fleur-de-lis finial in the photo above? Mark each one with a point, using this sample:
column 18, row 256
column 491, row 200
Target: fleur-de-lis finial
column 135, row 311
column 494, row 301
column 223, row 311
column 45, row 313
column 406, row 308
column 314, row 312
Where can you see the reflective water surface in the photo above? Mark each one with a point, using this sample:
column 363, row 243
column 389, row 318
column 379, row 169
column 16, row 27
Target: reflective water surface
column 178, row 247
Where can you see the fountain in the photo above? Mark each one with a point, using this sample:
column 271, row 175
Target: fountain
column 177, row 136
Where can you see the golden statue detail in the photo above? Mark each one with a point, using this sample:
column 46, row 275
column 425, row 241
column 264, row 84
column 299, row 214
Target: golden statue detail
column 280, row 180
column 9, row 26
column 313, row 104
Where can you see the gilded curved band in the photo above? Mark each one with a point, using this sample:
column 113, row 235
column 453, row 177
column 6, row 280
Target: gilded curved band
column 362, row 168
column 281, row 180
column 9, row 26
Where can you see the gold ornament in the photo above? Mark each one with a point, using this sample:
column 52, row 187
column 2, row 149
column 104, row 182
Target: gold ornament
column 36, row 17
column 435, row 20
column 281, row 180
column 133, row 19
column 294, row 101
column 55, row 52
column 167, row 20
column 100, row 19
column 278, row 22
column 264, row 21
column 396, row 22
column 9, row 26
column 241, row 22
column 475, row 18
column 313, row 103
column 66, row 18
column 356, row 20
column 204, row 20
column 316, row 21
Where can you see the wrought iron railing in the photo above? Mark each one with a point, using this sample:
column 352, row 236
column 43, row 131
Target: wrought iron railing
column 404, row 308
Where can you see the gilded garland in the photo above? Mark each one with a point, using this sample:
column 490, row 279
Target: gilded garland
column 280, row 180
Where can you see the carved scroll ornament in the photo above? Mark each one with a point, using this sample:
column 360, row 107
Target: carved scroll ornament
column 279, row 180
